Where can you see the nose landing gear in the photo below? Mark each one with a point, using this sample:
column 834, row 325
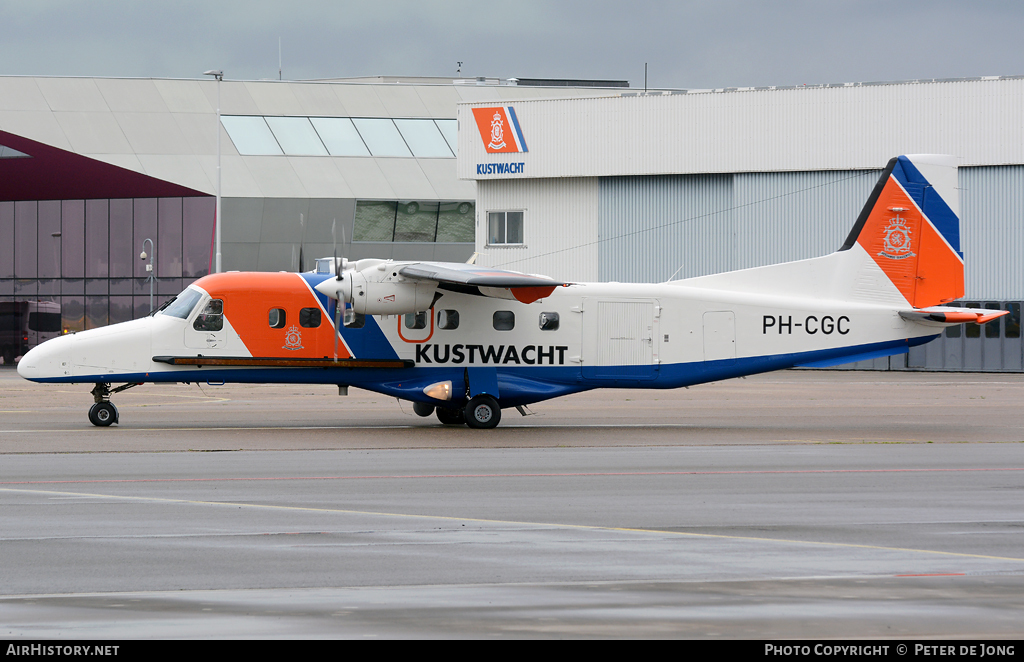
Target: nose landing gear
column 103, row 412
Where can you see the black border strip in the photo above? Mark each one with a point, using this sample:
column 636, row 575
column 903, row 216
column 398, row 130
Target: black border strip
column 273, row 362
column 872, row 201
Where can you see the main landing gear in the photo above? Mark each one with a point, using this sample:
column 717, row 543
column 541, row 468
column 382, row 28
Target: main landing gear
column 481, row 412
column 103, row 412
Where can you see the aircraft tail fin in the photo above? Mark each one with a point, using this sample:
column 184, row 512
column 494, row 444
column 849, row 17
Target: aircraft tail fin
column 910, row 228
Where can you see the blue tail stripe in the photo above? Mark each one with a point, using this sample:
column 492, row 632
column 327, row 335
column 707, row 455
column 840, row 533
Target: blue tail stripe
column 934, row 207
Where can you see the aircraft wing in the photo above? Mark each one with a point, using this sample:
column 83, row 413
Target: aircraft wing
column 474, row 279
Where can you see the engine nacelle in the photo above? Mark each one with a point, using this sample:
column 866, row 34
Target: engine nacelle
column 383, row 294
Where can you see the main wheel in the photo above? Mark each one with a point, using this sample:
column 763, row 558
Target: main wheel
column 103, row 414
column 483, row 412
column 422, row 409
column 451, row 416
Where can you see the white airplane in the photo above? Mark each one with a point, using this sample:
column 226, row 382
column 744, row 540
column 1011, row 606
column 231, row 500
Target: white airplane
column 466, row 341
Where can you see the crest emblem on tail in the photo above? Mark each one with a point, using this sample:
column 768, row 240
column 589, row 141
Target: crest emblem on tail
column 897, row 236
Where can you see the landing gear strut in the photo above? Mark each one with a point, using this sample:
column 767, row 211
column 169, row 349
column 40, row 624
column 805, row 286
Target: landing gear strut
column 103, row 412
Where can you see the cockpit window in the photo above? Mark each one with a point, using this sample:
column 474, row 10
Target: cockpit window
column 182, row 305
column 212, row 317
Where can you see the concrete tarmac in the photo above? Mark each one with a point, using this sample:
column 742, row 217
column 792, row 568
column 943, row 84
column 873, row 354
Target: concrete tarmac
column 797, row 504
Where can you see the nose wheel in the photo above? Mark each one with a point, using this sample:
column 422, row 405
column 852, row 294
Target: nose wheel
column 103, row 414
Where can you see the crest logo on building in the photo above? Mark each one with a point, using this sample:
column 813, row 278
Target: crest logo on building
column 896, row 238
column 500, row 130
column 293, row 339
column 497, row 132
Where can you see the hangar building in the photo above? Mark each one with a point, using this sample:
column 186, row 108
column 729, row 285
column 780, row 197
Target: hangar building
column 92, row 167
column 648, row 187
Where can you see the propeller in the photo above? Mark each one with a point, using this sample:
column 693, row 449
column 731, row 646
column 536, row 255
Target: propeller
column 337, row 302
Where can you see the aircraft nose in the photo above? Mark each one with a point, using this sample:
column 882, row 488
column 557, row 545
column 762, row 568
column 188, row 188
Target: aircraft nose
column 51, row 360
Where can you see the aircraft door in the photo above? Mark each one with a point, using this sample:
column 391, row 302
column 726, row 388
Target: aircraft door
column 620, row 339
column 720, row 336
column 207, row 330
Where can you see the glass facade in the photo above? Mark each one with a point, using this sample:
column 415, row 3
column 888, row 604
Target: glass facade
column 413, row 221
column 342, row 136
column 81, row 257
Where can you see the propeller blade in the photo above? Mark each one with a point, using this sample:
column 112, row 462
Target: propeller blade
column 337, row 264
column 337, row 325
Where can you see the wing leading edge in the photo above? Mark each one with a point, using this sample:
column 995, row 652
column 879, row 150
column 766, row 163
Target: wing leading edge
column 483, row 281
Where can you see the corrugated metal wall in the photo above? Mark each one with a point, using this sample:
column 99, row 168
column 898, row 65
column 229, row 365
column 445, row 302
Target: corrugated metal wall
column 992, row 204
column 843, row 127
column 705, row 224
column 650, row 226
column 559, row 226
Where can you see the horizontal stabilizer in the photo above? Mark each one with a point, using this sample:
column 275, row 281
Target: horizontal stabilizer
column 944, row 315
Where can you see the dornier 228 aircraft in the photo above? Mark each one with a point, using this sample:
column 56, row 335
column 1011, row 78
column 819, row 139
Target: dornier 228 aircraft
column 466, row 341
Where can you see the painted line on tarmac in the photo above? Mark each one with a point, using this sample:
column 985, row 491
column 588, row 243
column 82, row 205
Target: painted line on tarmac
column 694, row 427
column 477, row 520
column 570, row 474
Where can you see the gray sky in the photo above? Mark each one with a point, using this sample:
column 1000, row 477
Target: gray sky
column 723, row 43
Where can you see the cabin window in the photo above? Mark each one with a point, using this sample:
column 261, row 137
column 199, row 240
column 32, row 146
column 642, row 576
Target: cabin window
column 416, row 320
column 504, row 320
column 212, row 317
column 448, row 319
column 309, row 318
column 548, row 321
column 276, row 318
column 505, row 228
column 352, row 319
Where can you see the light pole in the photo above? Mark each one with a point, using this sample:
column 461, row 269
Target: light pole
column 219, row 75
column 149, row 268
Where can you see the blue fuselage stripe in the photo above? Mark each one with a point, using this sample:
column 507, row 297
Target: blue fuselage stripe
column 518, row 385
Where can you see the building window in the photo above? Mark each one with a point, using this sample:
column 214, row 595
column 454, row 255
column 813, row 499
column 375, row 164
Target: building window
column 505, row 228
column 416, row 221
column 255, row 135
column 1013, row 320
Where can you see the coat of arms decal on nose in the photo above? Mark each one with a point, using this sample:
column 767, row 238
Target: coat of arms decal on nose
column 293, row 339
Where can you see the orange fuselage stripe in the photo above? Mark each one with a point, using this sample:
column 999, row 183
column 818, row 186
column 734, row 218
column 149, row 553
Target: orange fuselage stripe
column 249, row 298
